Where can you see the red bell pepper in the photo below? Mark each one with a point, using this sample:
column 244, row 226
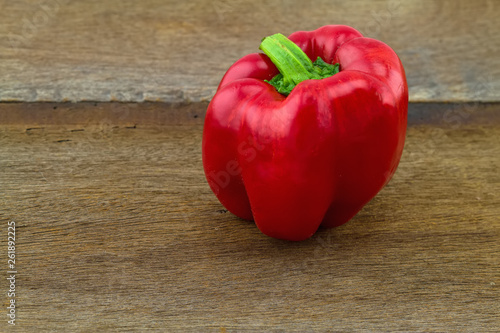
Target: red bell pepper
column 293, row 144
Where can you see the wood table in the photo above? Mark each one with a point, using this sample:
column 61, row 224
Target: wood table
column 117, row 229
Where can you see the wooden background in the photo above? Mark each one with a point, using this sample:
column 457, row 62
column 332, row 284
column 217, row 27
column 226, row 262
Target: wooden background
column 117, row 229
column 174, row 51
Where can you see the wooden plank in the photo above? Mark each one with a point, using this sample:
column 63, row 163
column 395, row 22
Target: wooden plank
column 113, row 115
column 171, row 51
column 118, row 230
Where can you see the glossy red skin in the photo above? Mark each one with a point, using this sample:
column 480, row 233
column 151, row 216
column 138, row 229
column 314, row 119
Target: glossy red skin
column 317, row 156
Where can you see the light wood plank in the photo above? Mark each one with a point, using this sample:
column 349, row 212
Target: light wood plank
column 171, row 51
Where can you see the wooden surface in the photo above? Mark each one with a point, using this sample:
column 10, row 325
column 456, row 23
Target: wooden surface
column 172, row 51
column 117, row 230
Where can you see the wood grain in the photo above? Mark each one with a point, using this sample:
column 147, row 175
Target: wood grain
column 117, row 230
column 172, row 51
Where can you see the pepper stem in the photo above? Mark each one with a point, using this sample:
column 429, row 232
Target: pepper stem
column 291, row 61
column 294, row 65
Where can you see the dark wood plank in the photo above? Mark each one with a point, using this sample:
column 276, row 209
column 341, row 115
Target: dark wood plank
column 108, row 115
column 118, row 230
column 171, row 51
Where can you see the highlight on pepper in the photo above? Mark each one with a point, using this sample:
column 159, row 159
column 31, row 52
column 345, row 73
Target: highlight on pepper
column 306, row 133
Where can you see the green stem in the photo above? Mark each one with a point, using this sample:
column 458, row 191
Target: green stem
column 291, row 61
column 294, row 65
